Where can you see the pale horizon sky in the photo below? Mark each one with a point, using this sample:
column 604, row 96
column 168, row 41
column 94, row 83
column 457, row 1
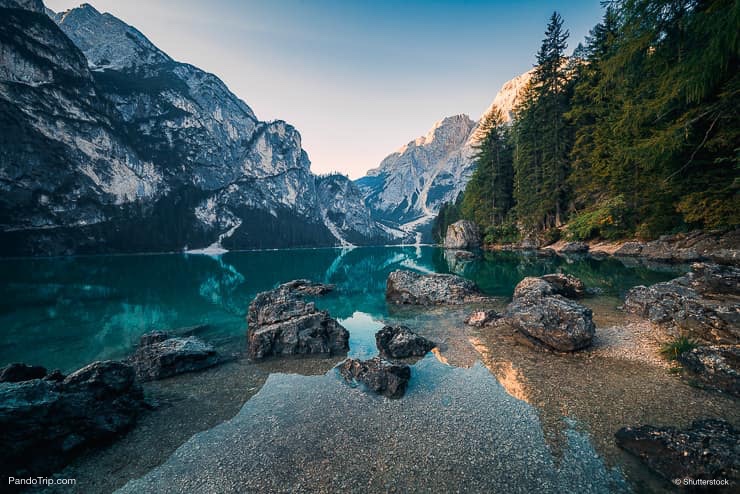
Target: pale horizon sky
column 358, row 79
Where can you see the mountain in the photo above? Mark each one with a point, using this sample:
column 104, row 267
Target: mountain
column 408, row 188
column 109, row 145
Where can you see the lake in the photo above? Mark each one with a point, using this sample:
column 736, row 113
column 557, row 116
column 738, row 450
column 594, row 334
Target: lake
column 481, row 413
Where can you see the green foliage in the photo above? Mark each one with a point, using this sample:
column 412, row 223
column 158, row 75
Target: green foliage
column 606, row 220
column 673, row 349
column 506, row 233
column 635, row 134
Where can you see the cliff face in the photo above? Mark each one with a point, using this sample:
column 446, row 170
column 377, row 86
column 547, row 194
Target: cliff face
column 109, row 145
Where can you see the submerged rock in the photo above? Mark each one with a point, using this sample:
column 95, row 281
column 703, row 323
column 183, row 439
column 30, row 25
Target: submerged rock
column 462, row 234
column 401, row 342
column 18, row 372
column 716, row 366
column 541, row 312
column 281, row 322
column 703, row 304
column 159, row 356
column 481, row 318
column 45, row 421
column 387, row 378
column 709, row 449
column 408, row 287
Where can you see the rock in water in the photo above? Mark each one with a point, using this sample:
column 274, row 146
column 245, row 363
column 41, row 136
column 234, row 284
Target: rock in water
column 401, row 342
column 308, row 287
column 159, row 356
column 481, row 318
column 703, row 304
column 387, row 378
column 408, row 287
column 45, row 421
column 709, row 449
column 462, row 234
column 541, row 312
column 281, row 322
column 17, row 372
column 716, row 366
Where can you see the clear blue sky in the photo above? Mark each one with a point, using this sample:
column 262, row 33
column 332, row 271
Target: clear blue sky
column 357, row 78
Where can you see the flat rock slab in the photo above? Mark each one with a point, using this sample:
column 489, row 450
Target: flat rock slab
column 159, row 356
column 401, row 342
column 709, row 449
column 408, row 287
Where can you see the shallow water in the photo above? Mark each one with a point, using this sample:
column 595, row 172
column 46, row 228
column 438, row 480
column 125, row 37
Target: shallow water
column 482, row 414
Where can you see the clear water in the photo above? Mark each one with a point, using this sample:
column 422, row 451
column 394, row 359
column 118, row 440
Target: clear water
column 66, row 312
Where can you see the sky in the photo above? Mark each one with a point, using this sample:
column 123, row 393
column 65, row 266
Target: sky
column 357, row 78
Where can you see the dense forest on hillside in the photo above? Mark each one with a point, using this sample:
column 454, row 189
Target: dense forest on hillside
column 635, row 134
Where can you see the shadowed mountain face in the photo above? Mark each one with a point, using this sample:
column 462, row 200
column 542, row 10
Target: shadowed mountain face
column 109, row 145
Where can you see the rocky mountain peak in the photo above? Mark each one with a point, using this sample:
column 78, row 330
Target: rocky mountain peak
column 106, row 41
column 510, row 94
column 32, row 5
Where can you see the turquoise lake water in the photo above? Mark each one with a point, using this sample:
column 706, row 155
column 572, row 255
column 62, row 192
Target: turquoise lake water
column 66, row 312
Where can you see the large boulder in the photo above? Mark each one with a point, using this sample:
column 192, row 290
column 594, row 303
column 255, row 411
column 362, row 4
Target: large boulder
column 715, row 366
column 709, row 449
column 704, row 304
column 159, row 356
column 408, row 287
column 462, row 234
column 45, row 421
column 542, row 314
column 401, row 342
column 281, row 322
column 387, row 378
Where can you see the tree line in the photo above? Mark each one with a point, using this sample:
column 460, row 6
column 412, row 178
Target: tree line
column 634, row 134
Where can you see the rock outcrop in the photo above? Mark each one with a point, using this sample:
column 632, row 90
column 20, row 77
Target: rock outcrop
column 714, row 366
column 280, row 322
column 159, row 356
column 542, row 314
column 45, row 421
column 719, row 247
column 706, row 450
column 462, row 234
column 401, row 342
column 408, row 287
column 383, row 377
column 704, row 304
column 574, row 248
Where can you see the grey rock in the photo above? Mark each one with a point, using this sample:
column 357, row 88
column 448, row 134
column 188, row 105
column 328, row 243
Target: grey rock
column 703, row 304
column 159, row 356
column 280, row 322
column 408, row 287
column 717, row 246
column 387, row 378
column 709, row 449
column 308, row 287
column 540, row 312
column 45, row 422
column 482, row 318
column 18, row 372
column 401, row 342
column 574, row 248
column 462, row 234
column 629, row 249
column 716, row 366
